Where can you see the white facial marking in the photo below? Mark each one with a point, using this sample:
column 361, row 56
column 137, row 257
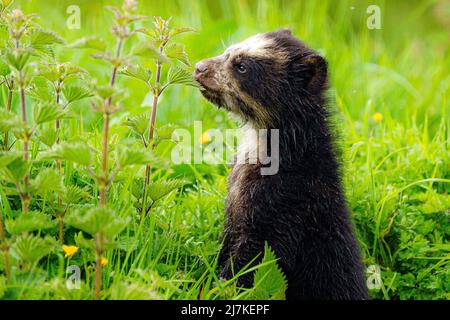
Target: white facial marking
column 252, row 45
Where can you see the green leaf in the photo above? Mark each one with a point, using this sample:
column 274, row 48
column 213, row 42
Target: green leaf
column 18, row 58
column 4, row 68
column 47, row 181
column 89, row 43
column 48, row 136
column 9, row 121
column 70, row 71
column 82, row 242
column 126, row 156
column 42, row 90
column 161, row 188
column 177, row 75
column 133, row 291
column 15, row 171
column 74, row 194
column 6, row 3
column 76, row 93
column 165, row 132
column 49, row 112
column 176, row 31
column 6, row 157
column 176, row 51
column 136, row 72
column 269, row 281
column 43, row 37
column 148, row 51
column 138, row 123
column 77, row 152
column 50, row 72
column 33, row 248
column 97, row 220
column 29, row 222
column 105, row 92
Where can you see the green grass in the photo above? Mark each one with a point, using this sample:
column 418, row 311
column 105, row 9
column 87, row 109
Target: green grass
column 396, row 171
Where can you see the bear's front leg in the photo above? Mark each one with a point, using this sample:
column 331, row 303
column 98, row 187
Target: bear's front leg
column 246, row 250
column 238, row 255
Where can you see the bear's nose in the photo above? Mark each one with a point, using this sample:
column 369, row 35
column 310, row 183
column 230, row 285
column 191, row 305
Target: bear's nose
column 200, row 67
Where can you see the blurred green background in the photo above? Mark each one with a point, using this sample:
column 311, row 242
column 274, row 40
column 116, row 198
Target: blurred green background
column 400, row 70
column 396, row 165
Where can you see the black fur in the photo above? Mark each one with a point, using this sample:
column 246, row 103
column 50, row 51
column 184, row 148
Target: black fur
column 300, row 212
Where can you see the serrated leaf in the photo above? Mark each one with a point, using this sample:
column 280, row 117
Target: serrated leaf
column 136, row 72
column 161, row 188
column 6, row 157
column 138, row 123
column 49, row 112
column 68, row 69
column 82, row 242
column 165, row 132
column 126, row 156
column 176, row 51
column 33, row 248
column 104, row 92
column 41, row 89
column 15, row 171
column 47, row 181
column 176, row 31
column 29, row 222
column 148, row 51
column 9, row 121
column 18, row 58
column 48, row 136
column 43, row 51
column 177, row 75
column 73, row 194
column 50, row 72
column 78, row 152
column 76, row 93
column 98, row 220
column 269, row 281
column 42, row 37
column 89, row 43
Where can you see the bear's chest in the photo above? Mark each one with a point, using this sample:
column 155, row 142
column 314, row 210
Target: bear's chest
column 243, row 183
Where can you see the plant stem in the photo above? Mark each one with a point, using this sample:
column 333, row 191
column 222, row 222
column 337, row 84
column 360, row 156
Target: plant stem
column 151, row 131
column 5, row 249
column 98, row 267
column 24, row 195
column 103, row 180
column 10, row 86
column 58, row 165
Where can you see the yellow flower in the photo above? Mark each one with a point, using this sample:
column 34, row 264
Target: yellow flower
column 104, row 261
column 377, row 117
column 70, row 250
column 205, row 138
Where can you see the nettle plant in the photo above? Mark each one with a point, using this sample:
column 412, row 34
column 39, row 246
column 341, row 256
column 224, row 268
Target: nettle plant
column 39, row 200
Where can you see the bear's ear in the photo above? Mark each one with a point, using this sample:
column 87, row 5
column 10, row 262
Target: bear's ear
column 317, row 73
column 284, row 32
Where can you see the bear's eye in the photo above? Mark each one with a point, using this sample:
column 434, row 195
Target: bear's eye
column 241, row 68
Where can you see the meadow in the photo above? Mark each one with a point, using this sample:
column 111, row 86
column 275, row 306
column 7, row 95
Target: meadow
column 89, row 195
